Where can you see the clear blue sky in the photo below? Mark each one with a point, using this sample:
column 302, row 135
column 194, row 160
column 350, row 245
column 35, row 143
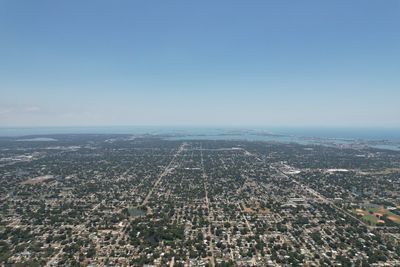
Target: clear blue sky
column 291, row 63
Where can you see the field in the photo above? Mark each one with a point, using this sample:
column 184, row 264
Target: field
column 374, row 216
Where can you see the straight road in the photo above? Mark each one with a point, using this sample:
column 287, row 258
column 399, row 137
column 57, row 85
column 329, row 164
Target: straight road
column 163, row 173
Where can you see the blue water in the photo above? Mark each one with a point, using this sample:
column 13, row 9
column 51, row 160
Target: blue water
column 23, row 131
column 346, row 133
column 384, row 138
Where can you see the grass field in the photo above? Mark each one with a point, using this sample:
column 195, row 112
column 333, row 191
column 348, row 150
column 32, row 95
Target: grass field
column 373, row 215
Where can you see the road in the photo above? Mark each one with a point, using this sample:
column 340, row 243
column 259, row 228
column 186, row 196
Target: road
column 322, row 198
column 313, row 192
column 163, row 173
column 205, row 178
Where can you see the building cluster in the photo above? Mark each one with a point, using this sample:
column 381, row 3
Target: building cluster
column 101, row 200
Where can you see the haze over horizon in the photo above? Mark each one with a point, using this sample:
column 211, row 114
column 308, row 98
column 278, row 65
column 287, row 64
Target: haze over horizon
column 187, row 63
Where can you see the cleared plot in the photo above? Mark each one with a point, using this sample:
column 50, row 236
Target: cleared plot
column 38, row 180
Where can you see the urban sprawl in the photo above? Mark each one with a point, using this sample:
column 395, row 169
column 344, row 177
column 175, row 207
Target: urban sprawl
column 121, row 200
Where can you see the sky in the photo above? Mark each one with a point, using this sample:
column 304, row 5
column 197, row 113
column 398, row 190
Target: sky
column 200, row 63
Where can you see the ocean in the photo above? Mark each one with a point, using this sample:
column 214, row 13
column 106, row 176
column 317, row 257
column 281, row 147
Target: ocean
column 387, row 138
